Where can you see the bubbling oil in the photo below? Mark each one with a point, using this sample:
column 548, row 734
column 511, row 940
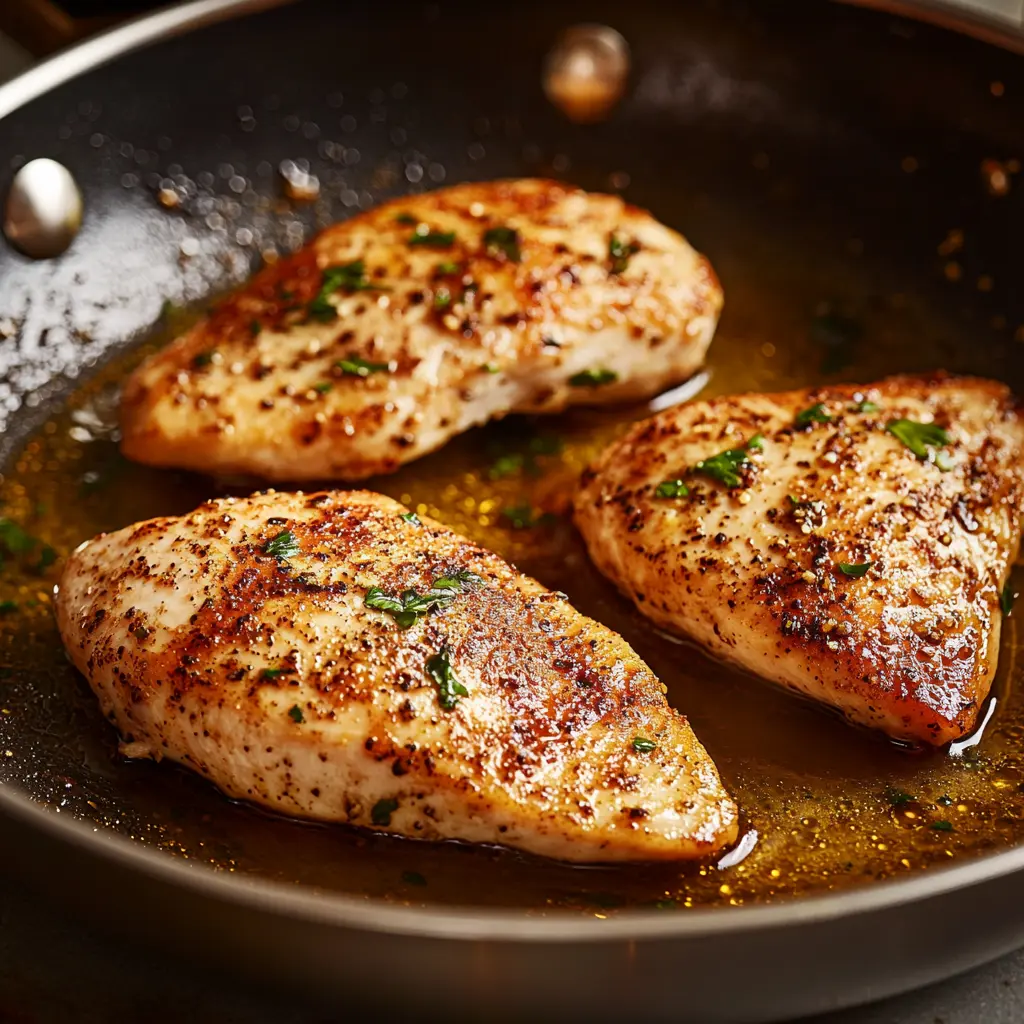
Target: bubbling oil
column 825, row 806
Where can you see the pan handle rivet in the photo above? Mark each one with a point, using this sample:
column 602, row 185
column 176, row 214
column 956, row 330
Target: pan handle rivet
column 43, row 212
column 585, row 72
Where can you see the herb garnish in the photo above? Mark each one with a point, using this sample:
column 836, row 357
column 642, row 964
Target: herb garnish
column 815, row 414
column 619, row 253
column 410, row 517
column 347, row 277
column 295, row 713
column 449, row 689
column 642, row 745
column 503, row 242
column 510, row 463
column 944, row 801
column 382, row 811
column 323, row 386
column 726, row 466
column 203, row 359
column 271, row 673
column 671, row 489
column 16, row 542
column 941, row 826
column 442, row 299
column 1006, row 598
column 523, row 517
column 406, row 218
column 865, row 406
column 283, row 546
column 446, row 268
column 923, row 439
column 255, row 327
column 593, row 378
column 854, row 569
column 8, row 606
column 411, row 604
column 432, row 239
column 898, row 797
column 356, row 367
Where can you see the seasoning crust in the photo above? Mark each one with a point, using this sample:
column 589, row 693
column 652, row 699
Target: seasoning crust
column 849, row 542
column 332, row 656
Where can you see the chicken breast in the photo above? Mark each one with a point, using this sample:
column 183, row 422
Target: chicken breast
column 848, row 542
column 330, row 656
column 394, row 331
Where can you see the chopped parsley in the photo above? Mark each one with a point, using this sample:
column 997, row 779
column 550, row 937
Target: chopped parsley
column 642, row 745
column 382, row 811
column 16, row 542
column 446, row 268
column 727, row 466
column 356, row 367
column 593, row 378
column 406, row 218
column 449, row 689
column 506, row 465
column 944, row 801
column 140, row 633
column 941, row 826
column 410, row 517
column 413, row 878
column 283, row 546
column 671, row 489
column 898, row 797
column 504, row 243
column 510, row 463
column 255, row 327
column 346, row 277
column 815, row 414
column 491, row 368
column 523, row 517
column 203, row 359
column 865, row 406
column 323, row 386
column 8, row 606
column 1006, row 598
column 271, row 673
column 432, row 239
column 619, row 253
column 295, row 713
column 442, row 299
column 855, row 569
column 411, row 605
column 923, row 439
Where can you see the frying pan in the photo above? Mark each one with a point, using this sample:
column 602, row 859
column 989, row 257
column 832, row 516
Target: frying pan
column 777, row 137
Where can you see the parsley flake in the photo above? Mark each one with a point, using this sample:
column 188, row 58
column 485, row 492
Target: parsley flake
column 897, row 797
column 356, row 367
column 323, row 386
column 283, row 546
column 203, row 359
column 865, row 406
column 503, row 243
column 593, row 378
column 642, row 745
column 815, row 414
column 410, row 517
column 432, row 239
column 408, row 608
column 619, row 253
column 941, row 826
column 923, row 439
column 446, row 268
column 855, row 569
column 1006, row 598
column 523, row 517
column 727, row 466
column 345, row 277
column 406, row 218
column 449, row 689
column 8, row 606
column 295, row 713
column 271, row 673
column 671, row 489
column 382, row 811
column 255, row 327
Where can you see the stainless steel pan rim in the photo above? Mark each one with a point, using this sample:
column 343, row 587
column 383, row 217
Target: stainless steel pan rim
column 443, row 922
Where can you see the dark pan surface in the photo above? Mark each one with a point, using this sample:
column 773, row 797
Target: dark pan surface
column 832, row 164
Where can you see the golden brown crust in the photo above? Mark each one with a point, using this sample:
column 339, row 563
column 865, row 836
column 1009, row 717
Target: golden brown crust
column 459, row 330
column 176, row 621
column 754, row 571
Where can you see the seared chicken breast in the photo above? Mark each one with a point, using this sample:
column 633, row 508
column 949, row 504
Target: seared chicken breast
column 404, row 326
column 848, row 542
column 332, row 657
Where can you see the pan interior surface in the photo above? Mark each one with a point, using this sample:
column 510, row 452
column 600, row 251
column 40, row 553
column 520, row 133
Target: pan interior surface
column 860, row 227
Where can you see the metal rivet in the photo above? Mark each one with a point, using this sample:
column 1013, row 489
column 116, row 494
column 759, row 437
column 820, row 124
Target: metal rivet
column 43, row 212
column 586, row 71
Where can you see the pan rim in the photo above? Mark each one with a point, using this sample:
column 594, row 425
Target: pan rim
column 433, row 921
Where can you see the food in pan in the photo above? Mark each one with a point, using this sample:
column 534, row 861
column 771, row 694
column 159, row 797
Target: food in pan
column 402, row 327
column 332, row 656
column 851, row 543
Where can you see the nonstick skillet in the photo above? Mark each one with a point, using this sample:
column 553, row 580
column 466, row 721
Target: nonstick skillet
column 852, row 177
